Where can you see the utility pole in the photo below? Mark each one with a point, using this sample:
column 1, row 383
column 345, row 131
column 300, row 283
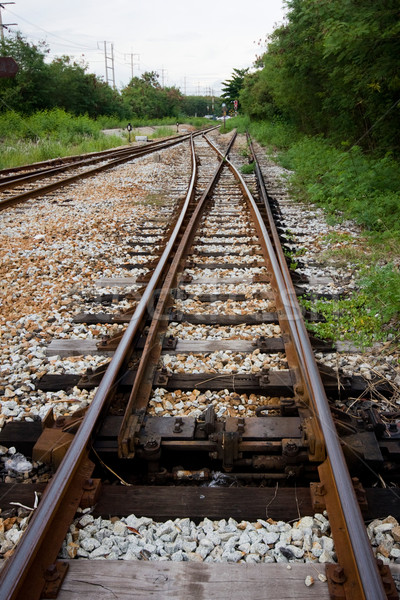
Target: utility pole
column 109, row 59
column 132, row 61
column 5, row 25
column 162, row 76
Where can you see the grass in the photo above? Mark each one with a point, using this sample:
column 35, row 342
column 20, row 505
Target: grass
column 163, row 131
column 55, row 133
column 49, row 134
column 154, row 199
column 349, row 319
column 247, row 168
column 22, row 153
column 347, row 184
column 370, row 314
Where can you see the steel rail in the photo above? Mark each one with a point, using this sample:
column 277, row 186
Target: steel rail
column 141, row 389
column 84, row 160
column 52, row 162
column 18, row 569
column 33, row 174
column 56, row 162
column 135, row 153
column 367, row 582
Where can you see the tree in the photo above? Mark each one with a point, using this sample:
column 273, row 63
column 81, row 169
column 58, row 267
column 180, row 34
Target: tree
column 80, row 92
column 62, row 83
column 232, row 87
column 333, row 69
column 145, row 98
column 255, row 98
column 30, row 89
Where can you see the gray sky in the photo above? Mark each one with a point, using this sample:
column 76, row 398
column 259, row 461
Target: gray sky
column 194, row 46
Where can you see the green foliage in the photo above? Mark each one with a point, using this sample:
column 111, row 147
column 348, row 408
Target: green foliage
column 30, row 89
column 41, row 85
column 256, row 99
column 333, row 69
column 48, row 134
column 369, row 315
column 57, row 123
column 241, row 123
column 381, row 284
column 161, row 132
column 275, row 134
column 247, row 168
column 347, row 183
column 62, row 83
column 51, row 133
column 232, row 87
column 145, row 98
column 349, row 319
column 200, row 106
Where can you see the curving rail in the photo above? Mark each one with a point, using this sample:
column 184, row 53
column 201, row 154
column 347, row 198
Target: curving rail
column 108, row 158
column 352, row 543
column 27, row 571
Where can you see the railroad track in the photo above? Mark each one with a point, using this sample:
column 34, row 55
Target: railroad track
column 191, row 390
column 30, row 181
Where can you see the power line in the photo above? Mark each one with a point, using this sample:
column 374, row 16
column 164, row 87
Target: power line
column 48, row 32
column 4, row 26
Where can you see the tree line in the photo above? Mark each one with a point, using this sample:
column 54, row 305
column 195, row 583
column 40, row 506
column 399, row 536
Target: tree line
column 332, row 69
column 65, row 83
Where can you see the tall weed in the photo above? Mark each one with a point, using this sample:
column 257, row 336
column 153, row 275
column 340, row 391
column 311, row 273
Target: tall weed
column 349, row 184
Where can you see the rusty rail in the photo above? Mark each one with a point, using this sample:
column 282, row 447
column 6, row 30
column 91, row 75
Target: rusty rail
column 127, row 154
column 361, row 576
column 23, row 576
column 353, row 547
column 142, row 386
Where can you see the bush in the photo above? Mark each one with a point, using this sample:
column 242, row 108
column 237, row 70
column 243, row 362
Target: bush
column 48, row 134
column 347, row 183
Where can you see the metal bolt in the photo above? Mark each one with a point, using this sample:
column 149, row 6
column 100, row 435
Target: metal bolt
column 151, row 443
column 178, row 425
column 338, row 575
column 51, row 573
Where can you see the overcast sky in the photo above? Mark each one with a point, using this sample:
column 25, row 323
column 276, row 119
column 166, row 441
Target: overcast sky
column 194, row 46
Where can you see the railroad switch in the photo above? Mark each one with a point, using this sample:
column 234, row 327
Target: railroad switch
column 336, row 579
column 206, row 425
column 317, row 493
column 387, row 580
column 169, row 342
column 107, row 343
column 92, row 377
column 227, row 449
